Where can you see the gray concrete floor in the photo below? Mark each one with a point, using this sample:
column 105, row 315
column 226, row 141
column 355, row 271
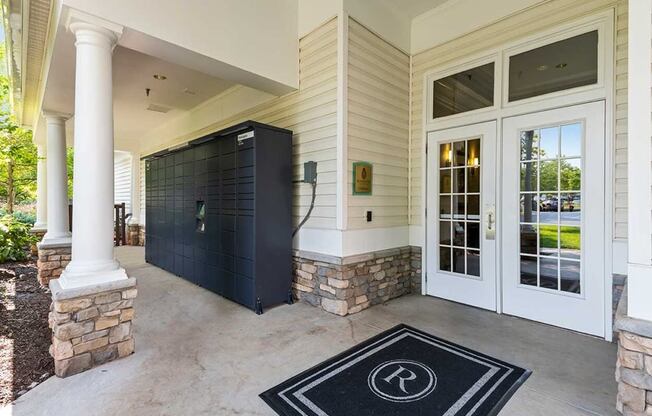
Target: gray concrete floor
column 199, row 354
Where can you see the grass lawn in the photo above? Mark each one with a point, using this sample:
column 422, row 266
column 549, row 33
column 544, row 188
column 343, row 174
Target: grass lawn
column 570, row 237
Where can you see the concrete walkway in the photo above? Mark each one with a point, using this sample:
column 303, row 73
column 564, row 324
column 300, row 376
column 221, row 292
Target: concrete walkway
column 199, row 354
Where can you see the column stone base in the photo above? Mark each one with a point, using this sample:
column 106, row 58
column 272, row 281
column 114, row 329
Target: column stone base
column 134, row 235
column 38, row 232
column 634, row 364
column 91, row 325
column 52, row 259
column 348, row 285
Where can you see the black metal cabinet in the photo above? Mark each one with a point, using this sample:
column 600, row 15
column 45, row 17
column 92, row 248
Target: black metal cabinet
column 219, row 213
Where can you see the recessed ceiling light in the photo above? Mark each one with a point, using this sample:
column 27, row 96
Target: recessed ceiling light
column 542, row 67
column 160, row 77
column 561, row 65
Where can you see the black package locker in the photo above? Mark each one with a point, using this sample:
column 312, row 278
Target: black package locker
column 219, row 213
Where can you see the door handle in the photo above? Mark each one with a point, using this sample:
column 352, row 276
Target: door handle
column 490, row 222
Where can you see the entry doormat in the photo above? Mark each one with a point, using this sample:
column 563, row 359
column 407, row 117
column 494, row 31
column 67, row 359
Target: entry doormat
column 402, row 371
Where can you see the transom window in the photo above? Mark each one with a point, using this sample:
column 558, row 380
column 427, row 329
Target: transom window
column 465, row 91
column 551, row 207
column 554, row 67
column 562, row 65
column 459, row 207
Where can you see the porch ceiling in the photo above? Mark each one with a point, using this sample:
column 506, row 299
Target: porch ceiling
column 133, row 73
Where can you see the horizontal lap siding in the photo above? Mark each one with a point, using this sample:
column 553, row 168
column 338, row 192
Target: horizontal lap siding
column 378, row 127
column 122, row 182
column 543, row 17
column 620, row 145
column 310, row 112
column 142, row 191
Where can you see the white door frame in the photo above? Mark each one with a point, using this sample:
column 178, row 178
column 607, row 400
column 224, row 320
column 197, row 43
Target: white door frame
column 603, row 91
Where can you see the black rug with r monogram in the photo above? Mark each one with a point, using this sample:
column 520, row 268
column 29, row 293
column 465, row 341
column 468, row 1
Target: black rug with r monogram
column 402, row 371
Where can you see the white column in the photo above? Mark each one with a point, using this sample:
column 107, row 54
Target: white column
column 92, row 242
column 57, row 183
column 639, row 154
column 41, row 189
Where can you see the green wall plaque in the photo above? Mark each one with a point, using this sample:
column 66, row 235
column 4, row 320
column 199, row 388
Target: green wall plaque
column 362, row 178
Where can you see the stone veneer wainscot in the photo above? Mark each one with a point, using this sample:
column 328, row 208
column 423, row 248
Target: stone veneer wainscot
column 91, row 325
column 634, row 365
column 344, row 286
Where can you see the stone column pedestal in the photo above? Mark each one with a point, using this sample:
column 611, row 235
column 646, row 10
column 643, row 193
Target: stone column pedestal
column 634, row 365
column 52, row 260
column 91, row 325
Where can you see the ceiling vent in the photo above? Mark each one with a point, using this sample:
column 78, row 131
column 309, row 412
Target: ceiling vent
column 158, row 108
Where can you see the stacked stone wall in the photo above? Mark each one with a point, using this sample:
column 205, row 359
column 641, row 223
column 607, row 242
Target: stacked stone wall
column 349, row 285
column 634, row 363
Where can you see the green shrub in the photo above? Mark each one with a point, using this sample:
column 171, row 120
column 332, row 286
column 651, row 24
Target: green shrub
column 25, row 217
column 15, row 239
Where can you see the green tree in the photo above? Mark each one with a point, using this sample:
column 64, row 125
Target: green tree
column 17, row 155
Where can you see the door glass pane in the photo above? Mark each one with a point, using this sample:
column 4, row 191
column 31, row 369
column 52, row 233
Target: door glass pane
column 529, row 176
column 551, row 207
column 460, row 239
column 529, row 271
column 445, row 181
column 558, row 66
column 529, row 144
column 570, row 208
column 473, row 207
column 571, row 140
column 458, row 180
column 473, row 178
column 445, row 155
column 444, row 206
column 570, row 173
column 570, row 276
column 548, row 240
column 459, row 260
column 473, row 262
column 458, row 207
column 465, row 91
column 570, row 242
column 549, row 143
column 459, row 153
column 549, row 174
column 548, row 273
column 529, row 208
column 445, row 233
column 445, row 258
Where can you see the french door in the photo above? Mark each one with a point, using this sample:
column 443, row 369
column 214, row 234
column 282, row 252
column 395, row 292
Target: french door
column 461, row 220
column 553, row 210
column 550, row 223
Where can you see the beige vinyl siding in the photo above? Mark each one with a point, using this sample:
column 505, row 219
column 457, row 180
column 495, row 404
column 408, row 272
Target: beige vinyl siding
column 620, row 145
column 122, row 182
column 533, row 20
column 141, row 174
column 310, row 112
column 378, row 77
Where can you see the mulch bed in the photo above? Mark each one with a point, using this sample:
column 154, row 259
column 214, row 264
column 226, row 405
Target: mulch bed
column 24, row 334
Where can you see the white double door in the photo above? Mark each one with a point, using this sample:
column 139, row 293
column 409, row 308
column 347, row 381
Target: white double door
column 519, row 227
